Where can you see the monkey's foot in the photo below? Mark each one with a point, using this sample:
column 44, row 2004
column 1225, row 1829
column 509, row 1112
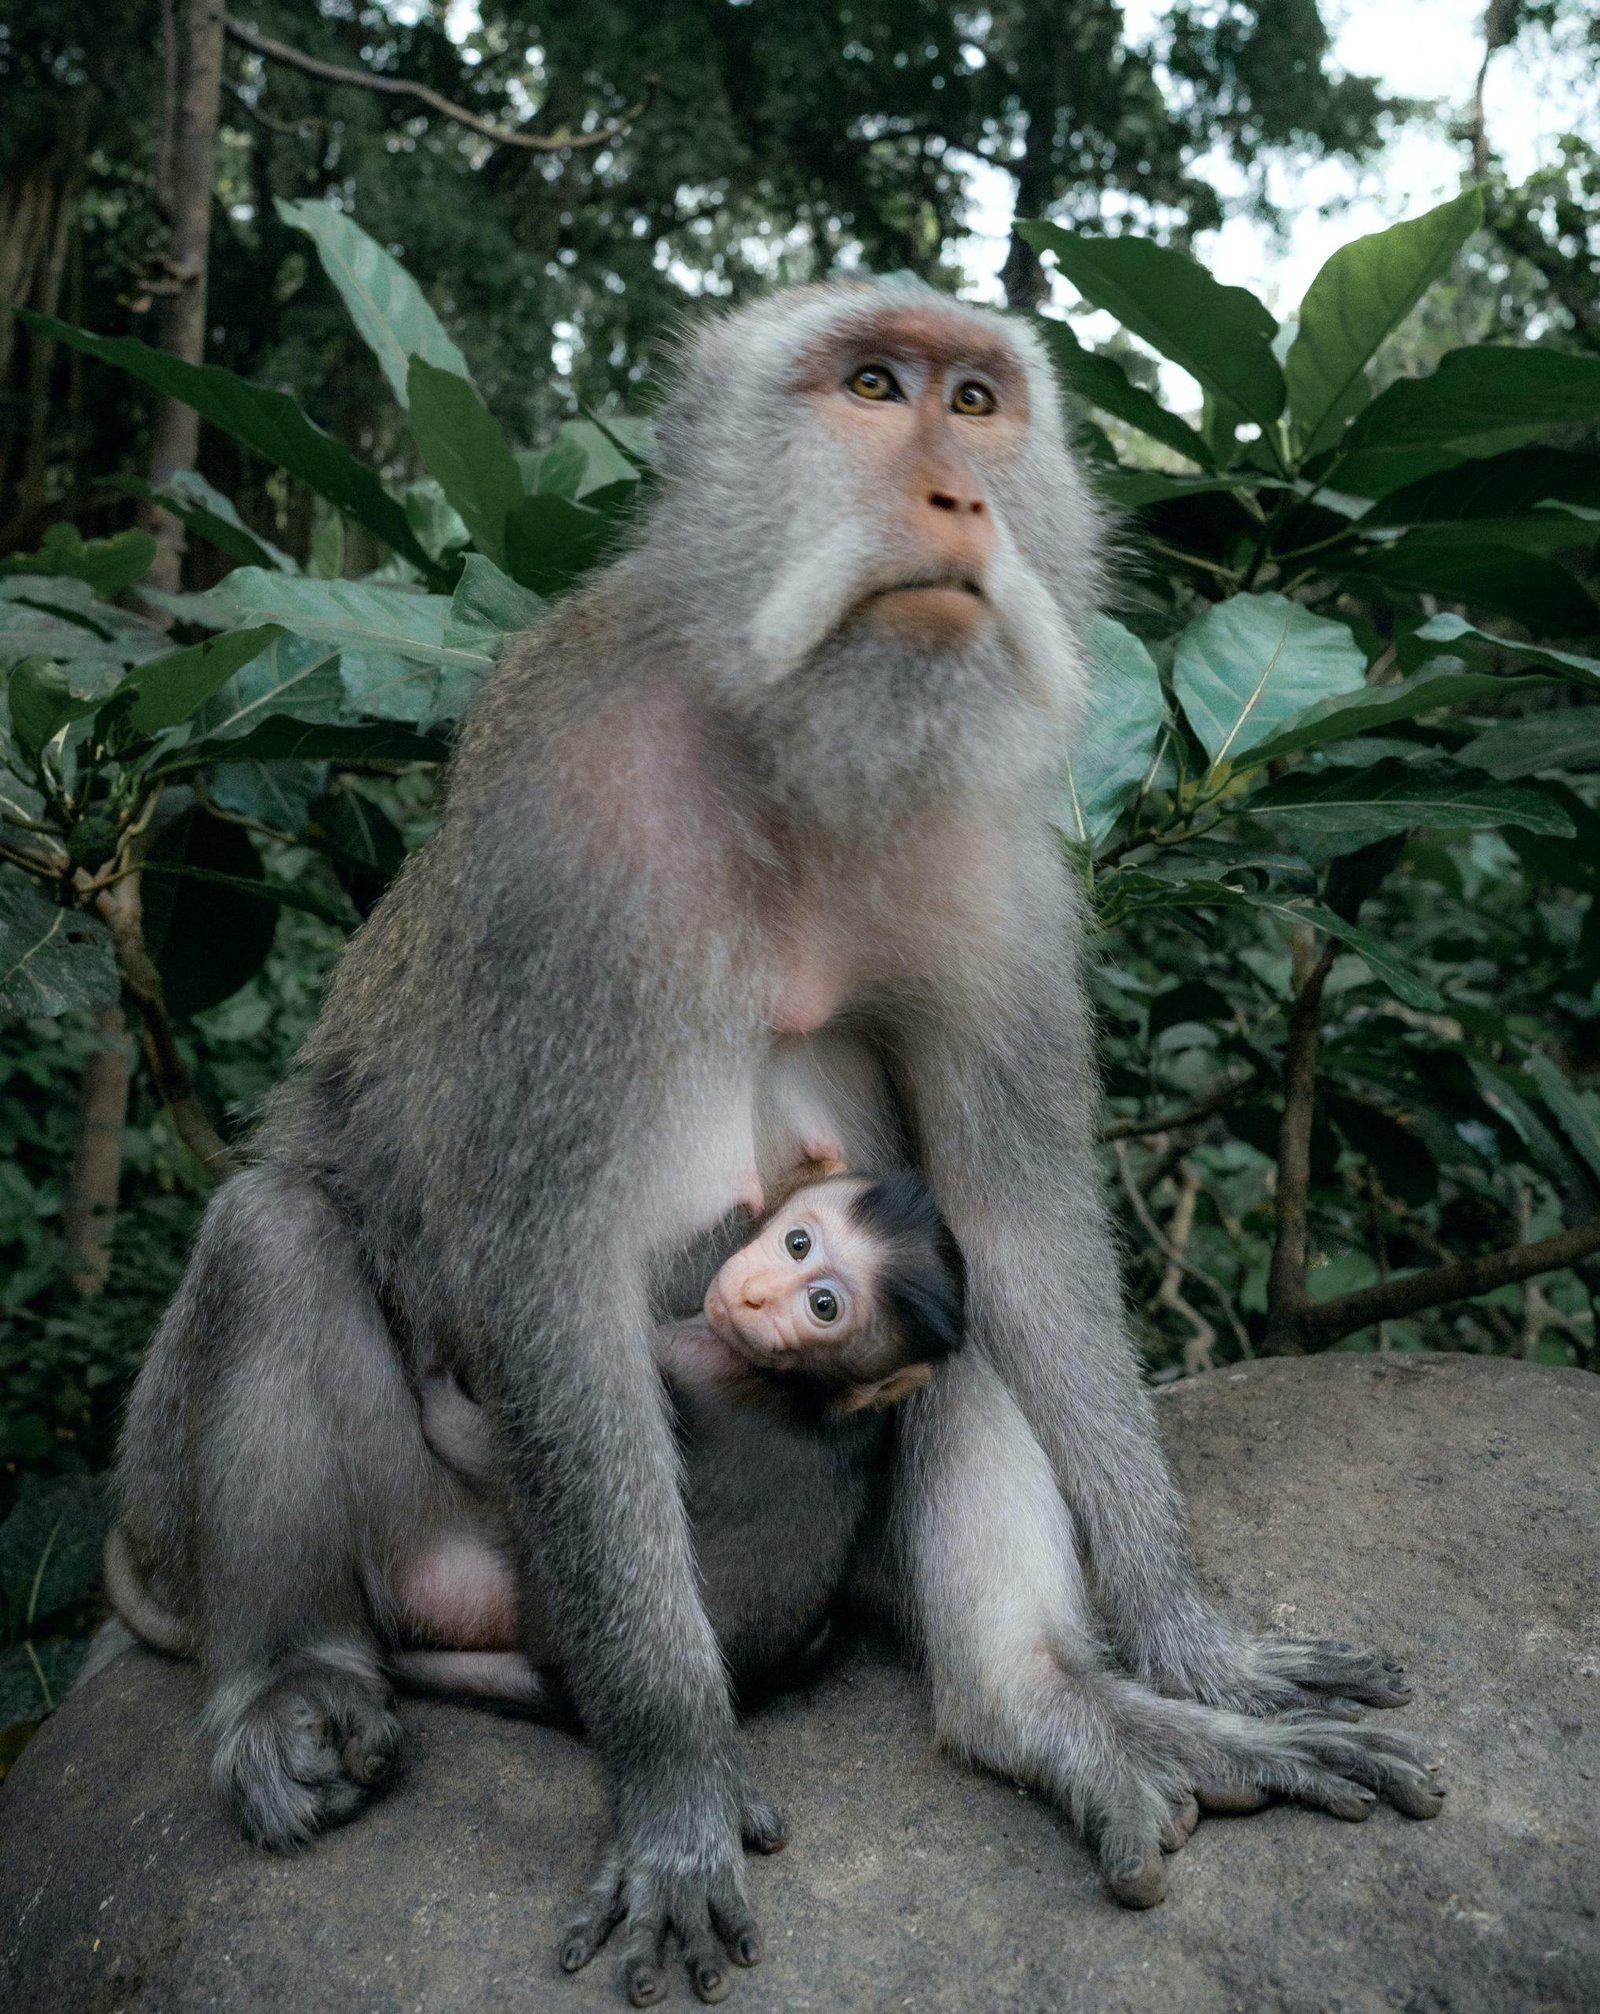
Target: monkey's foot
column 1200, row 1654
column 302, row 1750
column 703, row 1916
column 1184, row 1758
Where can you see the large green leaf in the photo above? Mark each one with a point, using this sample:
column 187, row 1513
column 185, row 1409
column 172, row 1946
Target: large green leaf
column 93, row 640
column 466, row 453
column 192, row 500
column 282, row 738
column 1378, row 706
column 389, row 309
column 207, row 936
column 488, row 606
column 51, row 960
column 1577, row 1113
column 1459, row 564
column 1479, row 401
column 1568, row 738
column 1364, row 292
column 293, row 676
column 1221, row 335
column 355, row 615
column 107, row 565
column 1333, row 811
column 278, row 795
column 39, row 699
column 1121, row 735
column 1101, row 381
column 550, row 542
column 1452, row 636
column 1245, row 667
column 1496, row 489
column 169, row 689
column 267, row 421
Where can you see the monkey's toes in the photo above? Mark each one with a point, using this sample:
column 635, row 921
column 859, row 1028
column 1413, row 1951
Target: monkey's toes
column 762, row 1827
column 1181, row 1821
column 1136, row 1883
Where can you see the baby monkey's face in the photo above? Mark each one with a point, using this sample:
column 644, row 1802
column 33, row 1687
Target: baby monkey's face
column 803, row 1294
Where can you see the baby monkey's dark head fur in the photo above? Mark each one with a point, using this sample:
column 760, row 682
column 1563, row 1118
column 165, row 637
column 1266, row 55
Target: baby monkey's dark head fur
column 923, row 1281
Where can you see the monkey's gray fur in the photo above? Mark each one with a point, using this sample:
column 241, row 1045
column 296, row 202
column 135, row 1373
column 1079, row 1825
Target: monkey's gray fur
column 674, row 803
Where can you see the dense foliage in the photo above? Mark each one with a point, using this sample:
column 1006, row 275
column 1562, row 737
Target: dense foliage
column 1338, row 785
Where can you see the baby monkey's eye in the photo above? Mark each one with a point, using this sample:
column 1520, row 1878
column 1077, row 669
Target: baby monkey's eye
column 797, row 1242
column 824, row 1304
column 872, row 381
column 972, row 399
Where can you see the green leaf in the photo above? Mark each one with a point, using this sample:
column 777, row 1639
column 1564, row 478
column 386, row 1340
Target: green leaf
column 40, row 699
column 1125, row 717
column 1248, row 665
column 1140, row 891
column 1375, row 706
column 1363, row 293
column 50, row 1546
column 1568, row 738
column 1479, row 401
column 282, row 738
column 108, row 565
column 255, row 889
column 466, row 453
column 207, row 940
column 352, row 614
column 1577, row 1113
column 278, row 795
column 51, row 960
column 1498, row 487
column 206, row 511
column 291, row 676
column 1333, row 811
column 1456, row 565
column 488, row 606
column 267, row 421
column 1451, row 635
column 389, row 309
column 1221, row 335
column 1101, row 381
column 92, row 640
column 169, row 689
column 550, row 542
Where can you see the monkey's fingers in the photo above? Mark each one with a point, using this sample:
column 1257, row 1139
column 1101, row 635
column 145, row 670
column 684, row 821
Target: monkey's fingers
column 1319, row 1666
column 602, row 1911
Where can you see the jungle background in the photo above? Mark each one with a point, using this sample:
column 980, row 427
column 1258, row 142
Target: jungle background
column 337, row 330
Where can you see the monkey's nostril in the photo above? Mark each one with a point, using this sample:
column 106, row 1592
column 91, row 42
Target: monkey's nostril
column 942, row 502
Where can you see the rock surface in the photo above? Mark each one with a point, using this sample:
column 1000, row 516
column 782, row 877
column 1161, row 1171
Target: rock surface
column 1447, row 1509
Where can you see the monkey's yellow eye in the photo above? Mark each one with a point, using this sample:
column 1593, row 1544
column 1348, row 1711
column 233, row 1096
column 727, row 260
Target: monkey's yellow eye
column 972, row 399
column 872, row 381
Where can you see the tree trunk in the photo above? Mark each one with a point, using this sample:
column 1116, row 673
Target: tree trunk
column 89, row 1219
column 186, row 171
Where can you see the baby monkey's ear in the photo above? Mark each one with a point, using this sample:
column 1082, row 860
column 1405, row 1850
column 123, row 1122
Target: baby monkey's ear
column 885, row 1392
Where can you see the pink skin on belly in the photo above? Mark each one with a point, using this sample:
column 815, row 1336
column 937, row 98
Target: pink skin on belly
column 459, row 1591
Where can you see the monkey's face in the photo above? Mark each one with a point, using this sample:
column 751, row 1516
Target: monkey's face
column 802, row 1294
column 874, row 523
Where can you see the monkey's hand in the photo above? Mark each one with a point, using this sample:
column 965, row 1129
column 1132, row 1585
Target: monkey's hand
column 696, row 1904
column 1200, row 1654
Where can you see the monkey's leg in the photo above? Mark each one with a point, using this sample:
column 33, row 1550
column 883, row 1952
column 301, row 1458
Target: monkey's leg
column 998, row 1073
column 310, row 1461
column 1024, row 1685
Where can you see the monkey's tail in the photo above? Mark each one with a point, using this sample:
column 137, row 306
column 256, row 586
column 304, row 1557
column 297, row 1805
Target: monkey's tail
column 139, row 1609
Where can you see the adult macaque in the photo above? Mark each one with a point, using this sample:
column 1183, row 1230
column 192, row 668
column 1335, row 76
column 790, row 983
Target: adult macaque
column 784, row 768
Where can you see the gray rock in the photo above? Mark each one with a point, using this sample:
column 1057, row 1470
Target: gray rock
column 1447, row 1509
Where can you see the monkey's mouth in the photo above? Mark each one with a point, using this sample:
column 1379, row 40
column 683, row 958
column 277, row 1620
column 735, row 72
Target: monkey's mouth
column 935, row 583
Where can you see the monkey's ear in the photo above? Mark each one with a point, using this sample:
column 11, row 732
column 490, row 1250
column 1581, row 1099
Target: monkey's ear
column 886, row 1391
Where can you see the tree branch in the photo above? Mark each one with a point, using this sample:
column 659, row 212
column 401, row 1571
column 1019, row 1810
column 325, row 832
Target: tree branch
column 400, row 87
column 1287, row 1293
column 1319, row 1323
column 1218, row 1099
column 120, row 907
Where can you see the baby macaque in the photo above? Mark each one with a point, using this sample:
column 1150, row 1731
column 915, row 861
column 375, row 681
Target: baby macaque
column 837, row 1306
